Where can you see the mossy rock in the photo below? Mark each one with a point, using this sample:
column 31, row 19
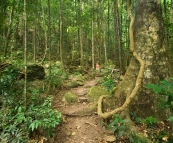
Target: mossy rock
column 71, row 84
column 79, row 82
column 95, row 92
column 75, row 81
column 76, row 78
column 70, row 97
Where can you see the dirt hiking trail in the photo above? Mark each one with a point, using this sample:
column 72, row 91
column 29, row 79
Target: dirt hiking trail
column 86, row 128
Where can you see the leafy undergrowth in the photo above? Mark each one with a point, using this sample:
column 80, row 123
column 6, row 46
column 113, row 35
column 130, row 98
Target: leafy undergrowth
column 150, row 127
column 33, row 119
column 23, row 116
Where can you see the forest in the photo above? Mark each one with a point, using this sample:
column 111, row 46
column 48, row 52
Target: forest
column 86, row 71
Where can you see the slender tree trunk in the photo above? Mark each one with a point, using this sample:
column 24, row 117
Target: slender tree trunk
column 9, row 29
column 80, row 34
column 49, row 44
column 17, row 37
column 108, row 34
column 25, row 53
column 171, row 16
column 61, row 34
column 93, row 49
column 45, row 36
column 34, row 35
column 118, row 63
column 99, row 41
column 121, row 50
column 105, row 49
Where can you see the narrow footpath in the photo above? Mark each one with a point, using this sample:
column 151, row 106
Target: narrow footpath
column 87, row 128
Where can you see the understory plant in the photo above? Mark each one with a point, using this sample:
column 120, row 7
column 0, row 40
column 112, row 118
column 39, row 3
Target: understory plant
column 118, row 125
column 135, row 117
column 19, row 120
column 56, row 78
column 165, row 92
column 149, row 121
column 108, row 82
column 120, row 128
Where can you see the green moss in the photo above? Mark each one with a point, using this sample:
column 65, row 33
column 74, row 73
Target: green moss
column 71, row 84
column 70, row 97
column 80, row 83
column 95, row 92
column 109, row 103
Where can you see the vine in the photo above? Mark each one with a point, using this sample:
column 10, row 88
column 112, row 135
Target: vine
column 139, row 77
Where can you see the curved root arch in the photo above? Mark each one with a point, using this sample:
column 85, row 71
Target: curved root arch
column 139, row 77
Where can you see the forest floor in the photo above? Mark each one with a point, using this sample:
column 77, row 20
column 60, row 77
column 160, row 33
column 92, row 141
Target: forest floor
column 75, row 128
column 89, row 128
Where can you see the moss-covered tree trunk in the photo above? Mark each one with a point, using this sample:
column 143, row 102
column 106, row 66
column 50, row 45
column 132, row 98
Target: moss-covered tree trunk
column 149, row 63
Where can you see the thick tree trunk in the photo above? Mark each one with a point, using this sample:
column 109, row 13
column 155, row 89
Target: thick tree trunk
column 150, row 45
column 149, row 63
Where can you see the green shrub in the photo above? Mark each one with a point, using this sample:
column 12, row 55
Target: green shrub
column 135, row 117
column 108, row 84
column 133, row 138
column 165, row 89
column 56, row 78
column 18, row 121
column 118, row 125
column 149, row 121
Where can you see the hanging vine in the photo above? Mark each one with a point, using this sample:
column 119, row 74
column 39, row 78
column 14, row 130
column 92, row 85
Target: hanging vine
column 139, row 77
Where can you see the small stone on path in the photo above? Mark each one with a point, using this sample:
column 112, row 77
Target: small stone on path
column 83, row 99
column 110, row 139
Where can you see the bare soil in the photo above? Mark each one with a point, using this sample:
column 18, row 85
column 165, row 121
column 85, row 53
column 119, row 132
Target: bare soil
column 76, row 128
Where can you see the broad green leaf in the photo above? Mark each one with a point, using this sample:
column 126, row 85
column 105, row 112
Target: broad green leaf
column 121, row 134
column 165, row 82
column 115, row 128
column 110, row 125
column 156, row 88
column 170, row 119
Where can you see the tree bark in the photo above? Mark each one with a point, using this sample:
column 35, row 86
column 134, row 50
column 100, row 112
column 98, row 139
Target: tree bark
column 34, row 35
column 93, row 49
column 25, row 53
column 171, row 16
column 148, row 64
column 61, row 33
column 80, row 34
column 118, row 38
column 49, row 44
column 45, row 35
column 9, row 29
